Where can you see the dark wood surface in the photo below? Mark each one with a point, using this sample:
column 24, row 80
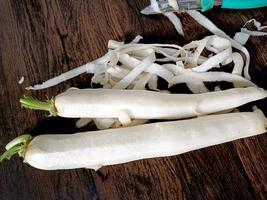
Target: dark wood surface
column 41, row 39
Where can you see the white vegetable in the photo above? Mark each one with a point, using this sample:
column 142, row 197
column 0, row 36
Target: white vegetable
column 153, row 83
column 205, row 22
column 104, row 123
column 142, row 104
column 96, row 67
column 21, row 80
column 239, row 63
column 193, row 77
column 124, row 65
column 82, row 122
column 142, row 81
column 171, row 16
column 136, row 66
column 129, row 78
column 244, row 34
column 224, row 52
column 133, row 65
column 241, row 38
column 253, row 33
column 256, row 24
column 176, row 22
column 114, row 146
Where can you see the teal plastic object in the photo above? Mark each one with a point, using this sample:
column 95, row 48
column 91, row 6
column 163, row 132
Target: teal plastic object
column 243, row 4
column 234, row 4
column 206, row 5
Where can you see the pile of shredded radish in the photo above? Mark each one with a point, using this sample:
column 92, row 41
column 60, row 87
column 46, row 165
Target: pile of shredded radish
column 138, row 66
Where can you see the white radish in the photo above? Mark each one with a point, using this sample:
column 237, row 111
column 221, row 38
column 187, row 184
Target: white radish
column 143, row 104
column 114, row 146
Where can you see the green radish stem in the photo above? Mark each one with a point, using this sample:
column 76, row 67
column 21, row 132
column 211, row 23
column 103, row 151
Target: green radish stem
column 31, row 103
column 16, row 146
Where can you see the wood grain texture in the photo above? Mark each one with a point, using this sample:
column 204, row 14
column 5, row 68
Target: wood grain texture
column 41, row 39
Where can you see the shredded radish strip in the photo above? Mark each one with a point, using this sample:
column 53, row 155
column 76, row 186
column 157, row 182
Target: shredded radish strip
column 21, row 80
column 253, row 33
column 82, row 122
column 96, row 66
column 176, row 22
column 219, row 58
column 239, row 63
column 256, row 24
column 153, row 83
column 123, row 83
column 124, row 118
column 103, row 123
column 192, row 77
column 241, row 38
column 142, row 81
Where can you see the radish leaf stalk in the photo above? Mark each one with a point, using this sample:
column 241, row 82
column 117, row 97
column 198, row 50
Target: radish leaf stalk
column 16, row 146
column 31, row 103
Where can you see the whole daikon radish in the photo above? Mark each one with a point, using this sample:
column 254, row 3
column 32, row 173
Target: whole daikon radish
column 142, row 104
column 115, row 146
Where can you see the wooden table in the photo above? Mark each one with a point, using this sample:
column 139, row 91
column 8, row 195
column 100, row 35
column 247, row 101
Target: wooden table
column 41, row 39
